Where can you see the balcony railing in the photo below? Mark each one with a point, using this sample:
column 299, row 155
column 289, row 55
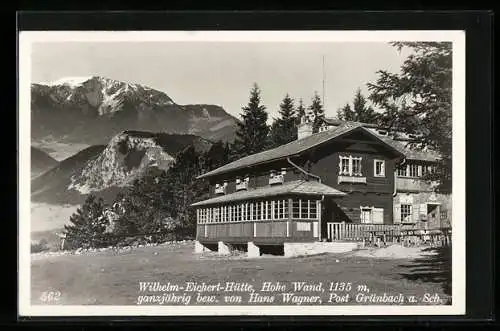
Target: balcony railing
column 276, row 179
column 351, row 179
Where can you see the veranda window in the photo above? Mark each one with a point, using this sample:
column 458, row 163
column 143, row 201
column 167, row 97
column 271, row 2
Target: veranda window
column 304, row 209
column 259, row 210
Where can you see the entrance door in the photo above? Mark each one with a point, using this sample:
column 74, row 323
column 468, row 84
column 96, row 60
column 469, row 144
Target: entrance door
column 433, row 216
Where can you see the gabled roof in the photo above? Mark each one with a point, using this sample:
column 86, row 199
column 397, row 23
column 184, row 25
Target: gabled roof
column 294, row 148
column 410, row 153
column 402, row 146
column 297, row 187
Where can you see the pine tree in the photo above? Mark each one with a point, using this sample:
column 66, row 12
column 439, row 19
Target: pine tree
column 360, row 112
column 284, row 129
column 346, row 113
column 216, row 156
column 425, row 84
column 252, row 132
column 88, row 225
column 145, row 205
column 301, row 111
column 185, row 188
column 318, row 112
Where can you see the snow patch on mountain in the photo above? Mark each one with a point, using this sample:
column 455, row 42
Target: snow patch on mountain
column 68, row 81
column 124, row 159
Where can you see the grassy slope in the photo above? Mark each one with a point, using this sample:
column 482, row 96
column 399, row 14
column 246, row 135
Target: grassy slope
column 109, row 278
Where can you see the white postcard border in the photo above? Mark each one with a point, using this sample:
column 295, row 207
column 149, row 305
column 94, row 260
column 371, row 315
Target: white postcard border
column 27, row 38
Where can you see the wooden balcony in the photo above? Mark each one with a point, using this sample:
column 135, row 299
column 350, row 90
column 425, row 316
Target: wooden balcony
column 351, row 179
column 409, row 184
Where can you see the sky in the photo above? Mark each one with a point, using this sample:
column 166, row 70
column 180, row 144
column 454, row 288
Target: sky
column 223, row 73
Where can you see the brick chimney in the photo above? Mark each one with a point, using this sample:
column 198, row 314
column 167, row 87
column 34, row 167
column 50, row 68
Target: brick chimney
column 305, row 128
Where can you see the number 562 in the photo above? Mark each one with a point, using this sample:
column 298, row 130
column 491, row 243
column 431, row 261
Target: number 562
column 50, row 296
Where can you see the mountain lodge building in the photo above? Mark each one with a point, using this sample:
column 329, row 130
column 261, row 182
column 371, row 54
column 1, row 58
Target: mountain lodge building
column 286, row 197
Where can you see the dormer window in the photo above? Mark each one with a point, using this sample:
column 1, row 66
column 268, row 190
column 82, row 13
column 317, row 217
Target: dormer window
column 220, row 188
column 277, row 178
column 242, row 184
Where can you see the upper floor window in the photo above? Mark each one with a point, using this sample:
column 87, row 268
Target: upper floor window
column 429, row 169
column 350, row 166
column 379, row 168
column 413, row 170
column 410, row 170
column 402, row 171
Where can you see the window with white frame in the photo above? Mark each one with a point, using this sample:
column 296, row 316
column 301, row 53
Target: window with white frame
column 406, row 213
column 413, row 170
column 345, row 166
column 313, row 209
column 366, row 215
column 305, row 209
column 402, row 171
column 270, row 210
column 356, row 166
column 259, row 210
column 350, row 166
column 379, row 168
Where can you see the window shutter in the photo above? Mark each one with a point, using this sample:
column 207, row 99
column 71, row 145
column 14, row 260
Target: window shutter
column 340, row 165
column 397, row 213
column 415, row 212
column 378, row 215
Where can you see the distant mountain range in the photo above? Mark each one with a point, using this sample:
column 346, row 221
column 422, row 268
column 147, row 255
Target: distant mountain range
column 92, row 110
column 105, row 170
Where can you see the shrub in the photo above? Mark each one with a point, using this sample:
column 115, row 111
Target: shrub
column 40, row 246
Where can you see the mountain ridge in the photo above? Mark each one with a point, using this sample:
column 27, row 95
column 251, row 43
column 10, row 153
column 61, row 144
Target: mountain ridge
column 105, row 170
column 41, row 161
column 94, row 109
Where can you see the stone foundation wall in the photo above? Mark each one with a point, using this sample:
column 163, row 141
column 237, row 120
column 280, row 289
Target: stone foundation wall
column 301, row 249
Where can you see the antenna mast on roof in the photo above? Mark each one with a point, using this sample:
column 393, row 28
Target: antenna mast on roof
column 324, row 79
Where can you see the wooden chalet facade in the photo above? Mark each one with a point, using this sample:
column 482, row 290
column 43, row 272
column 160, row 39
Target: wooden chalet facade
column 348, row 172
